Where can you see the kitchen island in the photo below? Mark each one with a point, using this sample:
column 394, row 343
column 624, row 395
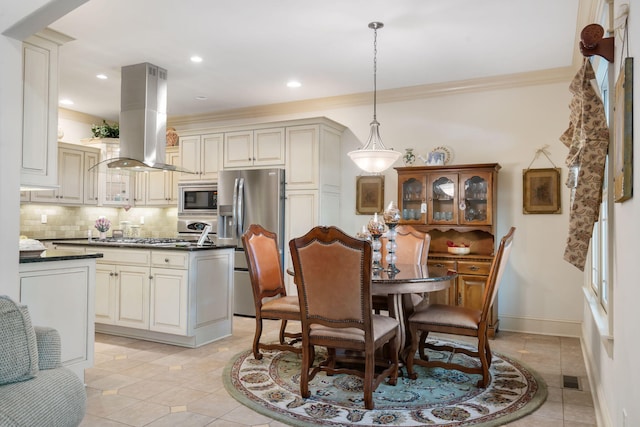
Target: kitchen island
column 58, row 289
column 176, row 293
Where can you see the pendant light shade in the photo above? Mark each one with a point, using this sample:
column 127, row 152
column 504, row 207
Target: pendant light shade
column 374, row 157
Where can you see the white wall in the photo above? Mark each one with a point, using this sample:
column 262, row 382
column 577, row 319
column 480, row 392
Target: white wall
column 541, row 293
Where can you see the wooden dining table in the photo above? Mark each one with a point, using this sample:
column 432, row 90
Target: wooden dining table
column 398, row 286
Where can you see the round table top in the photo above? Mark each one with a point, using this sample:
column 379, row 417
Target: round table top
column 411, row 278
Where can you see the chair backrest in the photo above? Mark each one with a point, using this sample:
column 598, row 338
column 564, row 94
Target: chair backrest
column 265, row 266
column 413, row 245
column 333, row 276
column 497, row 270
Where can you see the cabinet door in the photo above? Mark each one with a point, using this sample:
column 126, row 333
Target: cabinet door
column 169, row 301
column 70, row 180
column 39, row 113
column 268, row 147
column 476, row 192
column 302, row 158
column 105, row 294
column 158, row 188
column 173, row 158
column 412, row 196
column 139, row 188
column 210, row 155
column 470, row 291
column 301, row 215
column 238, row 149
column 442, row 197
column 132, row 296
column 91, row 178
column 190, row 157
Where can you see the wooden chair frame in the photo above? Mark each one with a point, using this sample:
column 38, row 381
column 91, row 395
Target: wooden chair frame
column 333, row 277
column 459, row 321
column 269, row 292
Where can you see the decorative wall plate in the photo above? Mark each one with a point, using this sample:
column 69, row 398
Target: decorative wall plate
column 447, row 151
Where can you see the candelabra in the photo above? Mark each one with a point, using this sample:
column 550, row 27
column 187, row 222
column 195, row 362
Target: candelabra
column 391, row 218
column 376, row 229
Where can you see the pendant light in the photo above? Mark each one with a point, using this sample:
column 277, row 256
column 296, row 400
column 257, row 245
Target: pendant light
column 374, row 157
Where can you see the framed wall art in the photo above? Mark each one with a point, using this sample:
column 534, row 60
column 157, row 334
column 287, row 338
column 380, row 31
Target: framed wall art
column 623, row 134
column 369, row 194
column 541, row 191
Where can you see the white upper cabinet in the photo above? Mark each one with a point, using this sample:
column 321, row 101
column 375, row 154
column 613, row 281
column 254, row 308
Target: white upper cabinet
column 254, row 148
column 40, row 109
column 201, row 154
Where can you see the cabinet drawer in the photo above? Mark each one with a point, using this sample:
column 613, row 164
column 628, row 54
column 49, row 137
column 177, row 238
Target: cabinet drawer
column 438, row 263
column 124, row 256
column 167, row 259
column 471, row 267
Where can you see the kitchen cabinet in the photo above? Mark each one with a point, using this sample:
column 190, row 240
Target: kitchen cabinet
column 38, row 168
column 158, row 188
column 201, row 154
column 455, row 203
column 179, row 297
column 312, row 189
column 254, row 148
column 60, row 294
column 76, row 185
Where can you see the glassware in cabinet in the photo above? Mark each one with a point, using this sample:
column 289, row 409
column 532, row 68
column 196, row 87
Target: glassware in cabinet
column 476, row 190
column 442, row 199
column 412, row 198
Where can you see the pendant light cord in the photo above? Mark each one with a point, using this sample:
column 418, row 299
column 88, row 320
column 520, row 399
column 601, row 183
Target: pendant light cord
column 375, row 69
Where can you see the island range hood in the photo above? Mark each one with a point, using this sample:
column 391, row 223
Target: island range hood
column 143, row 120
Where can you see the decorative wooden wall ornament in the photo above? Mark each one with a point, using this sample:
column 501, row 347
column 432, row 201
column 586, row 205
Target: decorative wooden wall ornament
column 592, row 42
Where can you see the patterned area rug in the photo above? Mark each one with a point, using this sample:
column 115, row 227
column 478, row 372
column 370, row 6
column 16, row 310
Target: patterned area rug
column 439, row 397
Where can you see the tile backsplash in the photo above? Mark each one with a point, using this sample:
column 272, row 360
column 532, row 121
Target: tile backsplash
column 73, row 222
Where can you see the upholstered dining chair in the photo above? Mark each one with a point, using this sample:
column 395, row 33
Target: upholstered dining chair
column 333, row 277
column 413, row 248
column 457, row 320
column 269, row 292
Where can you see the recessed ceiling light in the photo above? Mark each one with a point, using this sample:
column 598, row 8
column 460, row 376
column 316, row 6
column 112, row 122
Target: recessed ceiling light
column 196, row 58
column 293, row 84
column 102, row 76
column 201, row 97
column 66, row 102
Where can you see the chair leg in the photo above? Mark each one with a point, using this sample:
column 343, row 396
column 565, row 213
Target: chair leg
column 417, row 340
column 369, row 367
column 307, row 354
column 256, row 338
column 482, row 354
column 283, row 326
column 393, row 348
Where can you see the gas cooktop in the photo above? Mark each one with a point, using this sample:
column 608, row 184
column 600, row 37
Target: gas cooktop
column 150, row 241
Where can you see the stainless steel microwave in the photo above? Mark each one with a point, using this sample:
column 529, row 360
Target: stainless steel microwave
column 198, row 199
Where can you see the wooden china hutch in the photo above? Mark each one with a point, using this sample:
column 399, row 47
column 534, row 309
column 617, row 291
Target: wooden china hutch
column 455, row 203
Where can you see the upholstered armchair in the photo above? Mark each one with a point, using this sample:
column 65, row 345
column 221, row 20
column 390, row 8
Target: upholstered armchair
column 35, row 389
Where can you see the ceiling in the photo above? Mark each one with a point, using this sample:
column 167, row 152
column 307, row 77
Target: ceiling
column 252, row 48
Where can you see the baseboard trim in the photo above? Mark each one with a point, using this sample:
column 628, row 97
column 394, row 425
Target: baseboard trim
column 562, row 328
column 603, row 416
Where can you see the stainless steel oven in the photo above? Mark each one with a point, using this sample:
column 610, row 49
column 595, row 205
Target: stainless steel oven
column 198, row 199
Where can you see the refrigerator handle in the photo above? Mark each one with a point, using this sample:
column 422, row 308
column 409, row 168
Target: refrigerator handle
column 240, row 207
column 234, row 210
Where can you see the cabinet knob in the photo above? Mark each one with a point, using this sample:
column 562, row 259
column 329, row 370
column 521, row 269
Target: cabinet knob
column 474, row 268
column 111, row 274
column 438, row 265
column 150, row 277
column 166, row 260
column 115, row 274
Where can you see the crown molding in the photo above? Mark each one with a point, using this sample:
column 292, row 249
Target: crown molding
column 555, row 75
column 77, row 116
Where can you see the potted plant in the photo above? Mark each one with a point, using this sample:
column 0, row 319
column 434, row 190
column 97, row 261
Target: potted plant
column 105, row 130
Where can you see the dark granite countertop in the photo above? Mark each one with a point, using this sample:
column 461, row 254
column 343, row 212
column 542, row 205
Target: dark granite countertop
column 57, row 255
column 181, row 246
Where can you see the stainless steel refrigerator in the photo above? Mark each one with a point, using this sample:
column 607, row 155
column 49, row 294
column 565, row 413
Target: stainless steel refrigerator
column 246, row 197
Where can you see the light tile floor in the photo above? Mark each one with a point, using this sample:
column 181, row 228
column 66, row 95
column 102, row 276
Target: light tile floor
column 141, row 383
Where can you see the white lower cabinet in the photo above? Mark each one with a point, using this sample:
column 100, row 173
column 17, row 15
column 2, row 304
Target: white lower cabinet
column 179, row 297
column 60, row 294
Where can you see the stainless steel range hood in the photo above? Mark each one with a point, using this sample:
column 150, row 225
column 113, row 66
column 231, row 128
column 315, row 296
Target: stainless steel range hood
column 143, row 120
